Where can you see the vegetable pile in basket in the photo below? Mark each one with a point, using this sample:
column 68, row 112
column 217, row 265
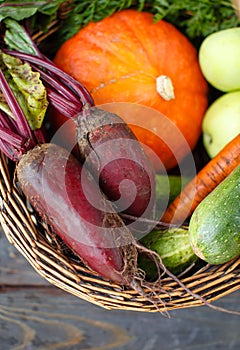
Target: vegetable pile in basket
column 101, row 198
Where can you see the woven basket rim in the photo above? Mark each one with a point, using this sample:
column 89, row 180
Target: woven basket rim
column 35, row 242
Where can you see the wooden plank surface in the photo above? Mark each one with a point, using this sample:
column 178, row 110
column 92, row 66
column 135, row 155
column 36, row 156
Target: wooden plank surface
column 37, row 316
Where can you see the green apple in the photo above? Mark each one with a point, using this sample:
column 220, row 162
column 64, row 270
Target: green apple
column 221, row 122
column 219, row 59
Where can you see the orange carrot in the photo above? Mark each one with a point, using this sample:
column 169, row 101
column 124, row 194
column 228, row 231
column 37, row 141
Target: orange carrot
column 214, row 172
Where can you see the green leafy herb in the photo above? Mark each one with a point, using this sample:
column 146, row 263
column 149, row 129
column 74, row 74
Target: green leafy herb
column 196, row 19
column 27, row 88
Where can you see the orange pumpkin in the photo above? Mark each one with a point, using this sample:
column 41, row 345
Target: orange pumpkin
column 129, row 58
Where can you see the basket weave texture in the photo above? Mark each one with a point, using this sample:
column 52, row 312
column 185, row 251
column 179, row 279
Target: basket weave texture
column 57, row 265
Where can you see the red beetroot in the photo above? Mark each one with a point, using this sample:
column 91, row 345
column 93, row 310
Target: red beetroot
column 59, row 189
column 117, row 160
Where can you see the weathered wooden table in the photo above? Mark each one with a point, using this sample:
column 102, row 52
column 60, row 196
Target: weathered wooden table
column 35, row 315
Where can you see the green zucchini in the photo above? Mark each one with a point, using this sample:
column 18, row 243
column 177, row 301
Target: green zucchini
column 214, row 227
column 173, row 246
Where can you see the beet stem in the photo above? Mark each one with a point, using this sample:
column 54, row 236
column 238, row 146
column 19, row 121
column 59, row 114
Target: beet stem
column 21, row 121
column 11, row 137
column 66, row 108
column 8, row 150
column 43, row 62
column 57, row 85
column 39, row 136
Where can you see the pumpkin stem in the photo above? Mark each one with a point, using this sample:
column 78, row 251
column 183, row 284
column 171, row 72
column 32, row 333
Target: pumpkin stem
column 165, row 87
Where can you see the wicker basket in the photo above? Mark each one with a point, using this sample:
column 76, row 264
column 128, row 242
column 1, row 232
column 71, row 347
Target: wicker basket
column 56, row 263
